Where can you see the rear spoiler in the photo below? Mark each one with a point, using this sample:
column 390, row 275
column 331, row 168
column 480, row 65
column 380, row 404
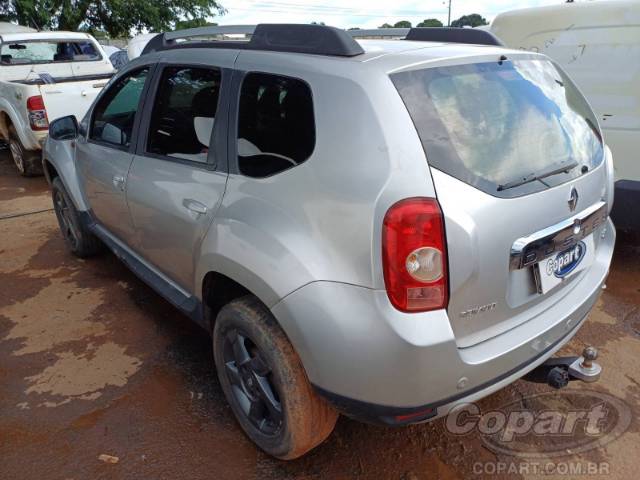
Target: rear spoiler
column 433, row 34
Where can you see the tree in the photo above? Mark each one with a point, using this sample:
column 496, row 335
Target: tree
column 430, row 22
column 386, row 25
column 116, row 17
column 473, row 20
column 402, row 24
column 193, row 23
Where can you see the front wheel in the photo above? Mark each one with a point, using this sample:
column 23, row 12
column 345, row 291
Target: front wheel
column 265, row 384
column 77, row 236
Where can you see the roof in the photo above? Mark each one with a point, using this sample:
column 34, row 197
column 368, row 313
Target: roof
column 395, row 55
column 26, row 36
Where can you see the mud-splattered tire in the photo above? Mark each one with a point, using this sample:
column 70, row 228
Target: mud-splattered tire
column 27, row 162
column 265, row 384
column 80, row 241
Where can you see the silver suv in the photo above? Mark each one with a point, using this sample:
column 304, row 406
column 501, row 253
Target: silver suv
column 380, row 228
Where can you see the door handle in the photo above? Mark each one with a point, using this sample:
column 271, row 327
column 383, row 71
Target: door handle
column 118, row 182
column 195, row 206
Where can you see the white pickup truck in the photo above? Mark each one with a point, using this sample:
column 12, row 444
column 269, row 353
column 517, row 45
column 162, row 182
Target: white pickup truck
column 43, row 76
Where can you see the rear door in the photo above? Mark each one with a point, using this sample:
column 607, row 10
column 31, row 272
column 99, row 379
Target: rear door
column 105, row 154
column 517, row 161
column 179, row 173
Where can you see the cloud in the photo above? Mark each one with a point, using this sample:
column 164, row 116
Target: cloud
column 362, row 13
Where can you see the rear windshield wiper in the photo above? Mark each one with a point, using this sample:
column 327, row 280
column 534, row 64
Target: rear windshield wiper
column 532, row 177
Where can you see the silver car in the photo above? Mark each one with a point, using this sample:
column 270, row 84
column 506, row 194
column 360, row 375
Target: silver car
column 380, row 228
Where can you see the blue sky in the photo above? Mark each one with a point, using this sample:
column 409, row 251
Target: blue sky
column 362, row 13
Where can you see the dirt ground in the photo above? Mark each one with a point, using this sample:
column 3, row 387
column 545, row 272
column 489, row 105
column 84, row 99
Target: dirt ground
column 93, row 362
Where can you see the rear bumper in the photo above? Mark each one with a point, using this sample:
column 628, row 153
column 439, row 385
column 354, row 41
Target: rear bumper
column 626, row 206
column 383, row 366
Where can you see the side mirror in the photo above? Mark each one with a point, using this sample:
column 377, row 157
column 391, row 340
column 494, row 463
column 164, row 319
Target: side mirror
column 65, row 128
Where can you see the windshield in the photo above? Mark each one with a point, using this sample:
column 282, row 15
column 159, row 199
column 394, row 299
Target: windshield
column 51, row 51
column 492, row 124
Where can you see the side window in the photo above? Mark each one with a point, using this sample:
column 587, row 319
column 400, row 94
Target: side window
column 184, row 113
column 276, row 128
column 115, row 112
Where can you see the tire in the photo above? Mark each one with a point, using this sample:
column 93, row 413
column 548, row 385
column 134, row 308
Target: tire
column 80, row 241
column 28, row 162
column 270, row 376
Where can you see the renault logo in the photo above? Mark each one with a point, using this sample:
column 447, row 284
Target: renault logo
column 573, row 199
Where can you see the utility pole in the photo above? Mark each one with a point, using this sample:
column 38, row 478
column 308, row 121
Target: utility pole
column 449, row 21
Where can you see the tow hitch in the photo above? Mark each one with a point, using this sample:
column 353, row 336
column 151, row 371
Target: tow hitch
column 558, row 371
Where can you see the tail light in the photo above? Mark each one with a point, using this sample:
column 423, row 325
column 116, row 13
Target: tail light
column 414, row 255
column 37, row 113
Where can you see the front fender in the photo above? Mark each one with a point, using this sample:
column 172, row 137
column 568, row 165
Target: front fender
column 61, row 155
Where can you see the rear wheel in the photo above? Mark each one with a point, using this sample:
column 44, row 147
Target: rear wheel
column 27, row 162
column 77, row 236
column 265, row 383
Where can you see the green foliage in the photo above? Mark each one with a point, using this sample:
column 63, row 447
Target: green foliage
column 116, row 17
column 193, row 23
column 386, row 25
column 402, row 24
column 430, row 22
column 473, row 20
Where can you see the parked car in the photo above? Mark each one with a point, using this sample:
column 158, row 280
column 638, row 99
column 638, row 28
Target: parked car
column 379, row 228
column 119, row 59
column 598, row 44
column 136, row 44
column 43, row 76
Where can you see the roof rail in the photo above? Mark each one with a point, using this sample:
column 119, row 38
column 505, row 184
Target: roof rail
column 295, row 38
column 432, row 34
column 454, row 35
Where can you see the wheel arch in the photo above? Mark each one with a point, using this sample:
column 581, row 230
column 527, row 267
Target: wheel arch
column 9, row 116
column 58, row 161
column 220, row 286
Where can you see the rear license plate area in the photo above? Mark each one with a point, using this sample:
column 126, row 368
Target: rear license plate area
column 555, row 270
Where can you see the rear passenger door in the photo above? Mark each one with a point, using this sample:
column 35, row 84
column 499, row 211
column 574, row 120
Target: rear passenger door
column 179, row 172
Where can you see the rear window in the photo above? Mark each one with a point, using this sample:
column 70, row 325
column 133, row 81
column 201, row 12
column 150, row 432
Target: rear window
column 496, row 125
column 34, row 52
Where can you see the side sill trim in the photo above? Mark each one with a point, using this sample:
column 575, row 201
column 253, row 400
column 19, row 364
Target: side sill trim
column 188, row 304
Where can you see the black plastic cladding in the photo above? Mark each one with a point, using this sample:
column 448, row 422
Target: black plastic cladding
column 453, row 35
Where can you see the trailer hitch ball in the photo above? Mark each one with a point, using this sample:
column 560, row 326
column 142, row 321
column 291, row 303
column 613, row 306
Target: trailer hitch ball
column 589, row 354
column 585, row 368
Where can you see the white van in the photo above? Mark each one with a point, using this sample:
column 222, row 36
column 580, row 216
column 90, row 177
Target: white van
column 598, row 44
